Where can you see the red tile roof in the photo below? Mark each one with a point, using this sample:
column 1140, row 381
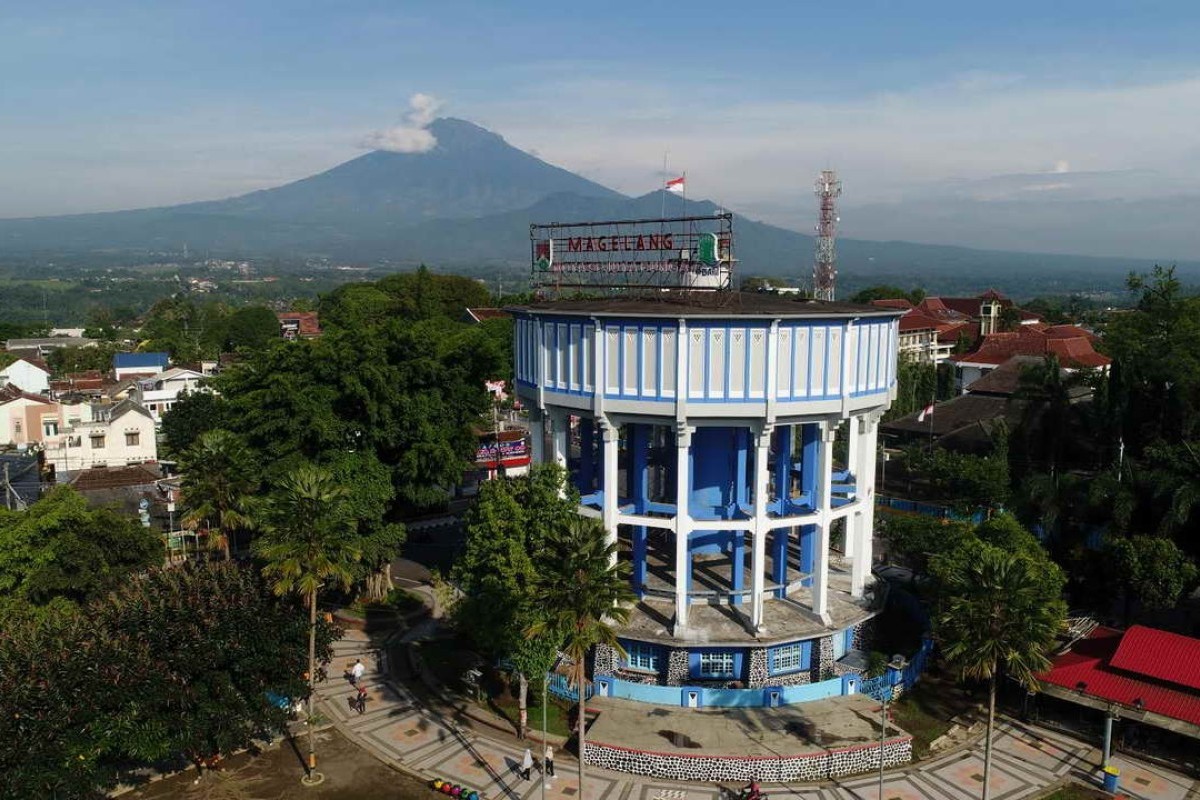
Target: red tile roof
column 915, row 321
column 996, row 348
column 307, row 322
column 1086, row 668
column 1160, row 654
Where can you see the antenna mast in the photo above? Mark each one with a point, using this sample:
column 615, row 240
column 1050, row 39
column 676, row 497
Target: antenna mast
column 827, row 188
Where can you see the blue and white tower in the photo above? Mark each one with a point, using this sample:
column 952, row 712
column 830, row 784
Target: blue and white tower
column 728, row 442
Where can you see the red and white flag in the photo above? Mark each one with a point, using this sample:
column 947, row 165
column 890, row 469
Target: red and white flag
column 675, row 185
column 927, row 411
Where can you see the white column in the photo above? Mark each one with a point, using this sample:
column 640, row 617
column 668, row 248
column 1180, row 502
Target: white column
column 683, row 524
column 860, row 570
column 758, row 560
column 537, row 435
column 610, row 434
column 820, row 583
column 560, row 424
column 853, row 460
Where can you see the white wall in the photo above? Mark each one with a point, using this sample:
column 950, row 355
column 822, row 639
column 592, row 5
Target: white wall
column 25, row 376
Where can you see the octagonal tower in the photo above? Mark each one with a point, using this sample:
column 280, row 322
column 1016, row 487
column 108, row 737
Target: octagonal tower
column 702, row 429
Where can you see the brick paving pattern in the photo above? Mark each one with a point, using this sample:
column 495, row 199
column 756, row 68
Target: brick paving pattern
column 400, row 730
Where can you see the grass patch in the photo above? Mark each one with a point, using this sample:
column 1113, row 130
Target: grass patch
column 557, row 710
column 926, row 711
column 398, row 600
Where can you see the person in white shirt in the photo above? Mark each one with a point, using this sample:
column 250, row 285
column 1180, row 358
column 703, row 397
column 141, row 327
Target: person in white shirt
column 356, row 672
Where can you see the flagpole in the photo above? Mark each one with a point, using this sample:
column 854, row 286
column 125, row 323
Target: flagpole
column 662, row 214
column 931, row 404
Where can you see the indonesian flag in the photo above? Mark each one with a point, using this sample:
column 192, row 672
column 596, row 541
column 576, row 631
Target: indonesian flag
column 927, row 411
column 675, row 185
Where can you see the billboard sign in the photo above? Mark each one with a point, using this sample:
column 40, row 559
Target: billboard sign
column 694, row 252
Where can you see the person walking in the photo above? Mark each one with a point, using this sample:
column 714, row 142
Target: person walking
column 549, row 760
column 526, row 764
column 356, row 672
column 360, row 702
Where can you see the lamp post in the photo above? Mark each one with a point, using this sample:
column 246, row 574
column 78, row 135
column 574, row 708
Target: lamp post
column 898, row 663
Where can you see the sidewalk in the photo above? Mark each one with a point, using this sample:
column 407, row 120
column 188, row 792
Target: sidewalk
column 400, row 730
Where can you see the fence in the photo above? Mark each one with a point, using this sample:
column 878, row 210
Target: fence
column 560, row 686
column 894, row 682
column 926, row 509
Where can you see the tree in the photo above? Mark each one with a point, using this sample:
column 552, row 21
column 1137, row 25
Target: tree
column 310, row 544
column 919, row 537
column 885, row 292
column 584, row 589
column 222, row 647
column 179, row 662
column 999, row 611
column 508, row 528
column 369, row 494
column 194, row 414
column 1151, row 571
column 60, row 548
column 252, row 328
column 220, row 486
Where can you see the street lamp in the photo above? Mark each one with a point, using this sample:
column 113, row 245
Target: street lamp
column 898, row 663
column 545, row 682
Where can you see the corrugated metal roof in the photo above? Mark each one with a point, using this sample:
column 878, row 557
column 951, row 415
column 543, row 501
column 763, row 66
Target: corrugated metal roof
column 125, row 360
column 1086, row 669
column 1159, row 654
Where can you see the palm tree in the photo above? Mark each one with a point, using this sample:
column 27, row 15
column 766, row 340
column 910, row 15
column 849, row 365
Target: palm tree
column 584, row 590
column 220, row 483
column 1000, row 611
column 312, row 543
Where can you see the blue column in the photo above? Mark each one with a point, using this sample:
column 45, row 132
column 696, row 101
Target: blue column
column 639, row 457
column 587, row 455
column 810, row 443
column 783, row 493
column 737, row 544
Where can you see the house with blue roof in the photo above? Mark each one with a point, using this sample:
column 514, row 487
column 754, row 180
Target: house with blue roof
column 127, row 365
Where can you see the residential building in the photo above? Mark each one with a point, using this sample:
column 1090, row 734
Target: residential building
column 299, row 324
column 139, row 365
column 40, row 348
column 117, row 435
column 28, row 419
column 159, row 393
column 28, row 375
column 1073, row 346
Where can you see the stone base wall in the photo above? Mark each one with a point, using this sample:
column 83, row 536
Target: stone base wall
column 822, row 659
column 605, row 660
column 807, row 767
column 678, row 670
column 757, row 676
column 864, row 635
column 801, row 678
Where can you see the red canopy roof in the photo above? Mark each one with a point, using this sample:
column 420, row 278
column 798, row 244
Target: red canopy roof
column 1158, row 654
column 1087, row 668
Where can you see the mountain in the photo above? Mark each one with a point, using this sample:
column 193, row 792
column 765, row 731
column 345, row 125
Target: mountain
column 467, row 203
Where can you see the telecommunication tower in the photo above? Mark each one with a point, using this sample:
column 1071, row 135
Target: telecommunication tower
column 827, row 188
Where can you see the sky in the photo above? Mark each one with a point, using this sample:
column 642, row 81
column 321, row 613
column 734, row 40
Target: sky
column 918, row 105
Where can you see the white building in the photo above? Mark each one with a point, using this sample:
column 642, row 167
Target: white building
column 26, row 376
column 108, row 436
column 159, row 394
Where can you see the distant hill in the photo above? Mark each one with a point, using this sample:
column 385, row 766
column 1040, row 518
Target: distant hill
column 467, row 204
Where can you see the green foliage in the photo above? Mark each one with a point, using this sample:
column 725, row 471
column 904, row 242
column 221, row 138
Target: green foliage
column 220, row 486
column 508, row 528
column 413, row 296
column 1151, row 570
column 251, row 328
column 963, row 481
column 1003, row 531
column 884, row 292
column 177, row 663
column 194, row 414
column 917, row 384
column 60, row 548
column 918, row 537
column 311, row 539
column 62, row 360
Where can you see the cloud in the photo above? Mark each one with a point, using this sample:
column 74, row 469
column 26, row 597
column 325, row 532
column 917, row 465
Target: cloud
column 1062, row 166
column 412, row 136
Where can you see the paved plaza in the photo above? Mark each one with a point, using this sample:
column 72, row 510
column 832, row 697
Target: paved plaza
column 402, row 731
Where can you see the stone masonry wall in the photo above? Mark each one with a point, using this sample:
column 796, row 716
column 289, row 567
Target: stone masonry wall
column 605, row 660
column 822, row 659
column 807, row 767
column 757, row 676
column 677, row 668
